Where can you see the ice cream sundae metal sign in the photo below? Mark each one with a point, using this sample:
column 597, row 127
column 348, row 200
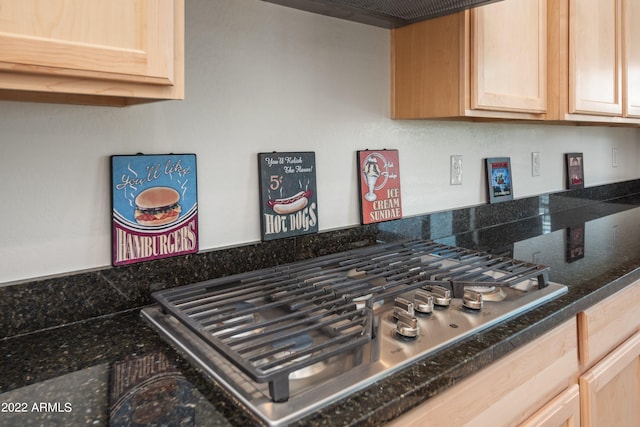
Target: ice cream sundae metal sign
column 288, row 200
column 154, row 207
column 379, row 183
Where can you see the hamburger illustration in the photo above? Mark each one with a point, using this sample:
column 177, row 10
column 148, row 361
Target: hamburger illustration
column 157, row 206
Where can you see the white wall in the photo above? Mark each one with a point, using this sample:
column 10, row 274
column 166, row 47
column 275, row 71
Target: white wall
column 260, row 77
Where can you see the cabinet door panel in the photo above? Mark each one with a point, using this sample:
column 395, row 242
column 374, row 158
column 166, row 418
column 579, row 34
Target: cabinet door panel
column 119, row 40
column 509, row 73
column 562, row 411
column 631, row 13
column 610, row 391
column 595, row 64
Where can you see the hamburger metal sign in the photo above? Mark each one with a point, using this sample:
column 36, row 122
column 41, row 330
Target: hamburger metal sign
column 154, row 207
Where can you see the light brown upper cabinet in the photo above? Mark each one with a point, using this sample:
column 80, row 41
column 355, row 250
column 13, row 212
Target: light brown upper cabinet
column 487, row 62
column 595, row 62
column 631, row 58
column 594, row 58
column 101, row 52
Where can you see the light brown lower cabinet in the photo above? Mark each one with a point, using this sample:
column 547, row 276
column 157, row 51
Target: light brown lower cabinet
column 609, row 354
column 562, row 411
column 610, row 391
column 608, row 324
column 509, row 391
column 585, row 372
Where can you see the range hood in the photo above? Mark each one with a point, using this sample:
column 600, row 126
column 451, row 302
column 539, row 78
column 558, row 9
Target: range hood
column 383, row 13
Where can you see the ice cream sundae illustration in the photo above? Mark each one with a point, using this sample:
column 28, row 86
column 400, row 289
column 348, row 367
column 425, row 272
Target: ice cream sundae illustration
column 371, row 172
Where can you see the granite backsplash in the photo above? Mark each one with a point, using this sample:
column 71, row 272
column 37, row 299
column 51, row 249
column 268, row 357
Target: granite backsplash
column 53, row 301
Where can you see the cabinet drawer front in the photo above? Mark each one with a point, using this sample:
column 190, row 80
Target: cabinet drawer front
column 508, row 391
column 607, row 324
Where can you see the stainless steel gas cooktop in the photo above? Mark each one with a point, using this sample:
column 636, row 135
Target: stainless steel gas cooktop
column 291, row 339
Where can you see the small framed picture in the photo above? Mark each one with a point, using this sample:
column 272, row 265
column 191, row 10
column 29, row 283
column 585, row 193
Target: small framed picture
column 288, row 194
column 499, row 181
column 154, row 205
column 575, row 170
column 379, row 185
column 575, row 243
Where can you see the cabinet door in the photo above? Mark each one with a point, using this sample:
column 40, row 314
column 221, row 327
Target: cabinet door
column 562, row 411
column 101, row 47
column 489, row 62
column 610, row 391
column 509, row 56
column 631, row 14
column 595, row 64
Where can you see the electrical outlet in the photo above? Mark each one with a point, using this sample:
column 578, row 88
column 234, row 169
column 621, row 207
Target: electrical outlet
column 614, row 157
column 456, row 170
column 535, row 164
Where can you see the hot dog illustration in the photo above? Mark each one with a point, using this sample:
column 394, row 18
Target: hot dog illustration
column 290, row 204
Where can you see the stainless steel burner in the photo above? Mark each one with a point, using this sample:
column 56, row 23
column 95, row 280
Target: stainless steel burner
column 489, row 293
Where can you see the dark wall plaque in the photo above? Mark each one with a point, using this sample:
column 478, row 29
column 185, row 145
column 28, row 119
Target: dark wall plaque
column 575, row 243
column 499, row 181
column 575, row 170
column 288, row 196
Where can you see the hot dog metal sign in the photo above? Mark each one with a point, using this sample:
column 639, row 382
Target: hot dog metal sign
column 288, row 201
column 154, row 207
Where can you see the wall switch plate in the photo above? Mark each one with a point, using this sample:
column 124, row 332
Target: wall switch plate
column 535, row 164
column 614, row 157
column 456, row 170
column 535, row 257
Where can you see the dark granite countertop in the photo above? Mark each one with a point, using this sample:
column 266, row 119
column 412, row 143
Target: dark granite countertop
column 112, row 368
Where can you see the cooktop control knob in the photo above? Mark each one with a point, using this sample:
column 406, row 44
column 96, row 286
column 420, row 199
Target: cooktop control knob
column 402, row 305
column 404, row 314
column 441, row 296
column 472, row 299
column 407, row 326
column 423, row 302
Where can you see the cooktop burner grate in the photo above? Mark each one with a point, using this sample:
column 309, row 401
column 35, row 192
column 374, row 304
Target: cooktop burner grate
column 273, row 322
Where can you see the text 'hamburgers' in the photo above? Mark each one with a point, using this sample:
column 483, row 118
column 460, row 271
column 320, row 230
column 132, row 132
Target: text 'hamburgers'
column 157, row 206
